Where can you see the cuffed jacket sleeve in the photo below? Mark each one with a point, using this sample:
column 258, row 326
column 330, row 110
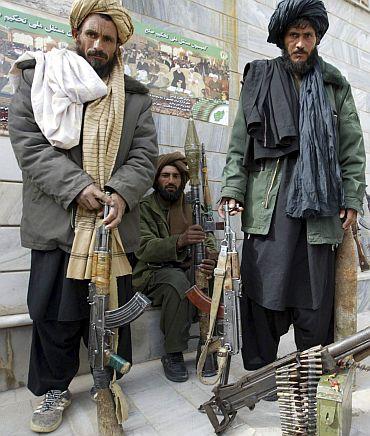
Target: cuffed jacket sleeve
column 352, row 156
column 133, row 179
column 235, row 174
column 45, row 166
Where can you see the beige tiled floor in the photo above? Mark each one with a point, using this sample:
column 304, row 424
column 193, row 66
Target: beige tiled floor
column 161, row 407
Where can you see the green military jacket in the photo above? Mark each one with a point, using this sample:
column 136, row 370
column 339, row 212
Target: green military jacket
column 257, row 190
column 157, row 246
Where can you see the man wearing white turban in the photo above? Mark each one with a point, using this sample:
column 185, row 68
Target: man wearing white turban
column 64, row 187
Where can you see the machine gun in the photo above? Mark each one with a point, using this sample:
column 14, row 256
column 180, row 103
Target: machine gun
column 102, row 322
column 304, row 368
column 199, row 291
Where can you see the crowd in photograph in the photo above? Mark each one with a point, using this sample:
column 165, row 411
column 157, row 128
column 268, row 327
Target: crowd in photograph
column 184, row 73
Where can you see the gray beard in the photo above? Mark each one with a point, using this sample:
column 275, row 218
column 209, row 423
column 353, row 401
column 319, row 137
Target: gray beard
column 300, row 68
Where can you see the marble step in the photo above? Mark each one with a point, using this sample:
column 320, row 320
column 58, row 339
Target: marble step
column 147, row 341
column 15, row 345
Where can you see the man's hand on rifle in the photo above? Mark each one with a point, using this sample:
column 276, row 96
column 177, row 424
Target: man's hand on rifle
column 117, row 209
column 91, row 198
column 193, row 235
column 206, row 267
column 349, row 216
column 234, row 205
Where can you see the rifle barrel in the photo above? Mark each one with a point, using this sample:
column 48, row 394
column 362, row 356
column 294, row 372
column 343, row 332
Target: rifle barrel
column 347, row 344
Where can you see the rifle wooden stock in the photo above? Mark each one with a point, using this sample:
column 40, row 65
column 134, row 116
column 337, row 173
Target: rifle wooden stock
column 106, row 413
column 202, row 301
column 235, row 265
column 108, row 424
column 364, row 264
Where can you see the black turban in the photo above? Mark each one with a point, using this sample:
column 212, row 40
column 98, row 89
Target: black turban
column 288, row 11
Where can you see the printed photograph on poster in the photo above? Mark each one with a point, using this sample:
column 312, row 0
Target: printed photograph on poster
column 185, row 77
column 20, row 32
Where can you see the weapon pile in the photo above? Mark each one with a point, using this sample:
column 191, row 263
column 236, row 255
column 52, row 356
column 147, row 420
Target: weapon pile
column 295, row 378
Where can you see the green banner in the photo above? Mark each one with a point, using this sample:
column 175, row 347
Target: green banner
column 185, row 77
column 11, row 19
column 173, row 39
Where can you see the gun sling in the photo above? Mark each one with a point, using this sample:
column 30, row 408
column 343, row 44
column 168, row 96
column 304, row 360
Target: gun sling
column 219, row 274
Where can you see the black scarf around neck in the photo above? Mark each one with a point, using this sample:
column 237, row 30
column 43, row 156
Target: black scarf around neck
column 281, row 123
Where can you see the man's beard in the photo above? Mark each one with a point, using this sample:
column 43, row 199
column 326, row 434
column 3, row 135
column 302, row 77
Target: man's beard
column 102, row 70
column 170, row 196
column 300, row 68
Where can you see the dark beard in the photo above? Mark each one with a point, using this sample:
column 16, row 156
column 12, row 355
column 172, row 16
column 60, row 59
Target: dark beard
column 102, row 71
column 169, row 196
column 300, row 68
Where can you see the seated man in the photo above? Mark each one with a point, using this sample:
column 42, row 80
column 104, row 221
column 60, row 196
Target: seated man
column 164, row 258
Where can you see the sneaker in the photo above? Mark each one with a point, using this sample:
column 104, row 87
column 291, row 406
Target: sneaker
column 48, row 415
column 174, row 367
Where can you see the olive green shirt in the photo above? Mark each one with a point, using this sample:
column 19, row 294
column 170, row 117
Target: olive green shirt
column 157, row 245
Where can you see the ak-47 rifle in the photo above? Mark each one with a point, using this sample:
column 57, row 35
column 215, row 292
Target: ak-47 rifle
column 198, row 294
column 304, row 367
column 364, row 264
column 199, row 299
column 102, row 322
column 226, row 287
column 232, row 330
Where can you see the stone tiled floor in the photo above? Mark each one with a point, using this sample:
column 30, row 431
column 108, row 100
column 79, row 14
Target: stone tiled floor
column 161, row 407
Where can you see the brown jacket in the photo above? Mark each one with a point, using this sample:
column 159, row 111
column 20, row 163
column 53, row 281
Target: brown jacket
column 52, row 178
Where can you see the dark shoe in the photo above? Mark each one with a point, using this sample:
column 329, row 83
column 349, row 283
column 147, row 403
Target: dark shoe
column 174, row 367
column 271, row 397
column 48, row 415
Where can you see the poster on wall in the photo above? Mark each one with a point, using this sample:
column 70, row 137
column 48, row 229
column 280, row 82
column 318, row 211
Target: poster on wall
column 185, row 77
column 20, row 32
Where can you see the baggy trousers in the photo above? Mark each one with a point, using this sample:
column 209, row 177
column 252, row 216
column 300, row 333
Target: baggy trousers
column 262, row 329
column 55, row 347
column 166, row 288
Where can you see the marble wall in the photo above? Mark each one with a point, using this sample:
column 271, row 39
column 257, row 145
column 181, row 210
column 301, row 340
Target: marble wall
column 238, row 26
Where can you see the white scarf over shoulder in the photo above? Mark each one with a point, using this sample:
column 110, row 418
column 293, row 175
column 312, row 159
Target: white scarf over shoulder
column 62, row 83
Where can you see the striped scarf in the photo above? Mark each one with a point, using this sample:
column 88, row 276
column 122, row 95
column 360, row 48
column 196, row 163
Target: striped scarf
column 102, row 131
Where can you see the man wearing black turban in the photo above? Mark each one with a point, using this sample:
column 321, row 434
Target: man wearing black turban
column 296, row 170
